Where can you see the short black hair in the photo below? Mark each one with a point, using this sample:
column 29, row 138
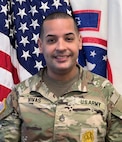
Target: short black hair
column 57, row 15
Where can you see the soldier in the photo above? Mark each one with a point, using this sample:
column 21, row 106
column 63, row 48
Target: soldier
column 62, row 102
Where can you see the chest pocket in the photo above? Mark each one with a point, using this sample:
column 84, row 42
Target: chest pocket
column 79, row 112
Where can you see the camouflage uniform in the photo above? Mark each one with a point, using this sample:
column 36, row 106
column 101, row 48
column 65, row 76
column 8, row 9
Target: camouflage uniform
column 90, row 111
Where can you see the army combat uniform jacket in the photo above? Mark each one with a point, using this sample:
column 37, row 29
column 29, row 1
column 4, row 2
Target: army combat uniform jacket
column 90, row 111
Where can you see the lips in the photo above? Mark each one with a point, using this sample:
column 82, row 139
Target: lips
column 61, row 58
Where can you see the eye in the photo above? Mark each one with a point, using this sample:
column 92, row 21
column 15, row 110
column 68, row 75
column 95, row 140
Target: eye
column 51, row 40
column 69, row 39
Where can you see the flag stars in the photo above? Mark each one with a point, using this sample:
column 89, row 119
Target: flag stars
column 24, row 41
column 78, row 21
column 11, row 33
column 69, row 12
column 92, row 53
column 23, row 27
column 25, row 55
column 9, row 18
column 67, row 2
column 13, row 3
column 36, row 51
column 6, row 23
column 16, row 45
column 24, row 24
column 13, row 17
column 20, row 1
column 56, row 3
column 38, row 65
column 44, row 6
column 104, row 58
column 34, row 24
column 22, row 13
column 43, row 17
column 4, row 9
column 35, row 37
column 33, row 10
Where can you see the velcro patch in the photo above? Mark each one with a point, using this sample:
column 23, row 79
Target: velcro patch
column 88, row 135
column 2, row 106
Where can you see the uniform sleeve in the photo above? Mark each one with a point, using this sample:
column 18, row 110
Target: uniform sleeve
column 115, row 130
column 9, row 120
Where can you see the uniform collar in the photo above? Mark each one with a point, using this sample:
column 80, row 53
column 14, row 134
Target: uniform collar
column 85, row 77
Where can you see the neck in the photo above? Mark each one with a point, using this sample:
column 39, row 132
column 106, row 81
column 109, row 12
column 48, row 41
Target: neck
column 63, row 76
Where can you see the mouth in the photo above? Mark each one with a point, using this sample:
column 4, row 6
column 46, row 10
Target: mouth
column 61, row 58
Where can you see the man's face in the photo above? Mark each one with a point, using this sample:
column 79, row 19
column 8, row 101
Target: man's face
column 60, row 45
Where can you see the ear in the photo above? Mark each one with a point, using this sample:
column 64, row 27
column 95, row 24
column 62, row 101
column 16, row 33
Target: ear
column 80, row 41
column 40, row 44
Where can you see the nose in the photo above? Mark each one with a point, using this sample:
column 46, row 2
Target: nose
column 61, row 45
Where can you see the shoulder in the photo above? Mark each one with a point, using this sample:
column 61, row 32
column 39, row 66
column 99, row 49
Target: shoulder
column 96, row 79
column 113, row 98
column 30, row 83
column 103, row 84
column 25, row 87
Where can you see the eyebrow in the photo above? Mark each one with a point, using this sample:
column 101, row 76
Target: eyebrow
column 70, row 33
column 50, row 35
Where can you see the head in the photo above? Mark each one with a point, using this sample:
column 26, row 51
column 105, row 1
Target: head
column 60, row 43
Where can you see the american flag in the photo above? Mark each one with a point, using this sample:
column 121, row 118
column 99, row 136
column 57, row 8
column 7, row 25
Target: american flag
column 8, row 70
column 20, row 27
